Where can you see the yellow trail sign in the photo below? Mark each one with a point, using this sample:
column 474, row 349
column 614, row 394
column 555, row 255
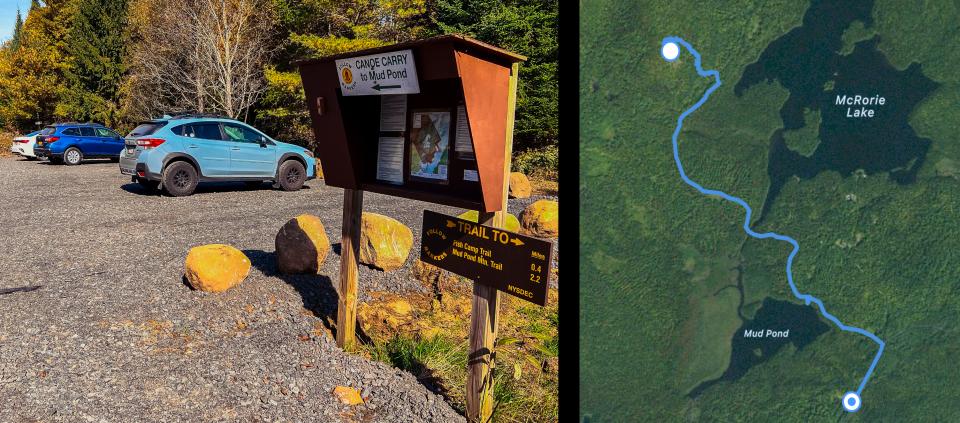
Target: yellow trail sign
column 516, row 264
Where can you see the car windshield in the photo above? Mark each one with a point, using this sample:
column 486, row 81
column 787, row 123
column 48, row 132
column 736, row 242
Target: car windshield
column 146, row 128
column 48, row 130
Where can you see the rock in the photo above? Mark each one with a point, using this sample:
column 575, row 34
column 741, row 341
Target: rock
column 513, row 224
column 389, row 310
column 434, row 278
column 384, row 242
column 400, row 307
column 519, row 185
column 541, row 219
column 347, row 395
column 302, row 245
column 216, row 267
column 319, row 170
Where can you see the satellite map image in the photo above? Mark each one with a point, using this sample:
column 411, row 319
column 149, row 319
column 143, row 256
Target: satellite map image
column 770, row 203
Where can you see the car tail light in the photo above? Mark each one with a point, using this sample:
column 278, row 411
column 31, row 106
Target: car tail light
column 50, row 140
column 148, row 143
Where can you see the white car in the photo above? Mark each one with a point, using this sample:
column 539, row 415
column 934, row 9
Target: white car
column 23, row 145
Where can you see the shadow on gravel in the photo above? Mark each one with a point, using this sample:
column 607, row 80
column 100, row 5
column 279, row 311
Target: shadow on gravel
column 204, row 188
column 318, row 293
column 135, row 188
column 6, row 291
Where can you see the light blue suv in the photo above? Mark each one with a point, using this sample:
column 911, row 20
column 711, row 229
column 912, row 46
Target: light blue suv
column 176, row 153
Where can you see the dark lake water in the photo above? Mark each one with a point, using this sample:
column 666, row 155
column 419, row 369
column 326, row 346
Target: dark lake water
column 802, row 321
column 806, row 61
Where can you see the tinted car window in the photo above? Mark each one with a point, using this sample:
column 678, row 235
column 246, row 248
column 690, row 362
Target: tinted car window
column 48, row 130
column 87, row 132
column 208, row 131
column 72, row 131
column 104, row 132
column 146, row 128
column 239, row 133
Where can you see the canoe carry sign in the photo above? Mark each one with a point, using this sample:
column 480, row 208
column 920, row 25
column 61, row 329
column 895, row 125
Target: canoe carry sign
column 516, row 264
column 377, row 74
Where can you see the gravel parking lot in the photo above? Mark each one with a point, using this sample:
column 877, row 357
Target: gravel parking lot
column 112, row 333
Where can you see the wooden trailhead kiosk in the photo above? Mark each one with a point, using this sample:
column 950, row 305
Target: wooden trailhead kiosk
column 430, row 120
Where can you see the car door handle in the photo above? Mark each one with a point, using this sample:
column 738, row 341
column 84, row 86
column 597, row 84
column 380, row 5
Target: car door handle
column 191, row 146
column 234, row 148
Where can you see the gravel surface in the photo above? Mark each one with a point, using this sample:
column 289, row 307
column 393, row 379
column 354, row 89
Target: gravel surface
column 114, row 334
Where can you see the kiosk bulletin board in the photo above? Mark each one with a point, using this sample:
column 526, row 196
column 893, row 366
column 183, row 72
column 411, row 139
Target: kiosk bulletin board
column 424, row 120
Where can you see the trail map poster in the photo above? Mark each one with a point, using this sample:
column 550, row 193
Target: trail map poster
column 430, row 145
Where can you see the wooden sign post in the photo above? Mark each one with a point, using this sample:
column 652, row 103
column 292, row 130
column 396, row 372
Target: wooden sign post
column 485, row 310
column 349, row 268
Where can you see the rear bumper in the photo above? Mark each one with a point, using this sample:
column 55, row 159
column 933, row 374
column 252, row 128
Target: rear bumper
column 139, row 171
column 43, row 152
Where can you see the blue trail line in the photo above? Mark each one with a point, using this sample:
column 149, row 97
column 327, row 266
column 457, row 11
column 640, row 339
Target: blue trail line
column 807, row 298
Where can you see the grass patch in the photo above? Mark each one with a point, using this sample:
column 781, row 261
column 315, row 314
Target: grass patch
column 433, row 342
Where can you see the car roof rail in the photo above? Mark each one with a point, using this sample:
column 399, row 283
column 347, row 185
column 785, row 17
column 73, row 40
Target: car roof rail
column 194, row 115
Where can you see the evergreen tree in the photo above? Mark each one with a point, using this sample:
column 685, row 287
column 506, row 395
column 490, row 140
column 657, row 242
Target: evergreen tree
column 17, row 27
column 95, row 48
column 528, row 27
column 315, row 28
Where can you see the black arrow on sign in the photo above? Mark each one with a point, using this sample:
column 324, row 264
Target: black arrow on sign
column 379, row 87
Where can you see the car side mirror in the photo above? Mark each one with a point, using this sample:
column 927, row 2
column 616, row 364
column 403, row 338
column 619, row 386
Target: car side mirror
column 263, row 143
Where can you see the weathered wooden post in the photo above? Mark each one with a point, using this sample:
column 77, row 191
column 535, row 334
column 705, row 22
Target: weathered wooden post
column 486, row 299
column 349, row 268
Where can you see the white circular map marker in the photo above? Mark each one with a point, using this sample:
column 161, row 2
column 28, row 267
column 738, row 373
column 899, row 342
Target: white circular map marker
column 851, row 401
column 670, row 51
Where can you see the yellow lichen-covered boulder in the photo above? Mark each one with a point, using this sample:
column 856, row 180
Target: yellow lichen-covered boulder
column 541, row 219
column 436, row 279
column 519, row 185
column 216, row 267
column 348, row 395
column 384, row 242
column 513, row 224
column 319, row 170
column 389, row 312
column 302, row 245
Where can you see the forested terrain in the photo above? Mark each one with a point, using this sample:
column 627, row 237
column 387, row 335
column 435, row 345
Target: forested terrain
column 121, row 61
column 668, row 276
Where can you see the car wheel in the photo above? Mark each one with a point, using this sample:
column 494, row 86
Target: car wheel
column 148, row 184
column 72, row 156
column 180, row 179
column 292, row 175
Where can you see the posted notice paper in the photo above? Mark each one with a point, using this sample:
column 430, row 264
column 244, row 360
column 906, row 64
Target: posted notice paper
column 393, row 113
column 390, row 160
